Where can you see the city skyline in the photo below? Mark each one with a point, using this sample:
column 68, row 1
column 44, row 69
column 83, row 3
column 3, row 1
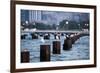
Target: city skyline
column 52, row 17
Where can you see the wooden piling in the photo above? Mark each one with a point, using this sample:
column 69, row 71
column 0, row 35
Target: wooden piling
column 56, row 36
column 23, row 36
column 47, row 37
column 44, row 53
column 67, row 44
column 73, row 40
column 25, row 57
column 34, row 36
column 56, row 47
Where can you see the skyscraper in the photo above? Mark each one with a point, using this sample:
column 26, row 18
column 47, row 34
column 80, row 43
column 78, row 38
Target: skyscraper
column 24, row 15
column 34, row 15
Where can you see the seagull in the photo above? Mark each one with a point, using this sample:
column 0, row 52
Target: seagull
column 72, row 35
column 67, row 36
column 57, row 37
column 42, row 40
column 64, row 36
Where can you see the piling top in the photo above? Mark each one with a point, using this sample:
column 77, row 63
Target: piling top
column 44, row 47
column 45, row 43
column 25, row 50
column 56, row 41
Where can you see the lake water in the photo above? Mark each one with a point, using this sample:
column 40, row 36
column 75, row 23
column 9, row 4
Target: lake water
column 79, row 50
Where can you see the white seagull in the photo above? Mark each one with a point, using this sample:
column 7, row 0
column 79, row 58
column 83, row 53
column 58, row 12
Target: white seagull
column 42, row 40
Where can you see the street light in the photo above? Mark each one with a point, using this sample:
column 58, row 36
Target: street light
column 67, row 24
column 26, row 22
column 79, row 26
column 86, row 25
column 57, row 27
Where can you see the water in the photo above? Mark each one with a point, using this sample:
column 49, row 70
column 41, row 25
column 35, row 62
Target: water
column 79, row 50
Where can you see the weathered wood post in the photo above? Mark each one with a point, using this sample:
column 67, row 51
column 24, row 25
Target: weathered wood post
column 44, row 53
column 23, row 36
column 78, row 35
column 25, row 56
column 67, row 44
column 75, row 38
column 62, row 34
column 56, row 47
column 56, row 36
column 47, row 36
column 34, row 36
column 72, row 38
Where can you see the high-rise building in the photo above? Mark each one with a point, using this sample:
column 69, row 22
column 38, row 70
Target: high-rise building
column 35, row 15
column 24, row 15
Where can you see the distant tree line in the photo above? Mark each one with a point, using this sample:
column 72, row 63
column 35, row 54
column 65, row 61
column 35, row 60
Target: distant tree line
column 39, row 26
column 72, row 25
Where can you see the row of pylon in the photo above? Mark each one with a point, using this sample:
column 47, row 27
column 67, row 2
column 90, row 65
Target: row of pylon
column 45, row 50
